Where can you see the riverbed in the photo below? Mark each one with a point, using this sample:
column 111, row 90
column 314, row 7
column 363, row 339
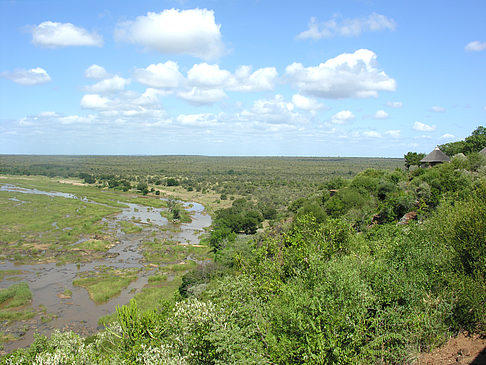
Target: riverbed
column 79, row 312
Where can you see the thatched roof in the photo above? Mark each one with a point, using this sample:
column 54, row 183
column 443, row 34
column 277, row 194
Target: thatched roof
column 435, row 156
column 483, row 151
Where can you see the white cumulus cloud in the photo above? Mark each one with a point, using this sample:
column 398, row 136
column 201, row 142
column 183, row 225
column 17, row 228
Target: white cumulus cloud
column 394, row 133
column 338, row 26
column 422, row 127
column 54, row 34
column 262, row 79
column 475, row 46
column 94, row 101
column 96, row 72
column 447, row 136
column 113, row 84
column 272, row 111
column 198, row 120
column 34, row 76
column 162, row 75
column 198, row 95
column 205, row 75
column 244, row 80
column 381, row 114
column 342, row 117
column 305, row 103
column 348, row 75
column 193, row 32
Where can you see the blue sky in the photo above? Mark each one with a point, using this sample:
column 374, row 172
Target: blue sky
column 240, row 77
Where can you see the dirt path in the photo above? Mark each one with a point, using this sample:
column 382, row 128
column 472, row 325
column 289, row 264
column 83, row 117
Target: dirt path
column 458, row 350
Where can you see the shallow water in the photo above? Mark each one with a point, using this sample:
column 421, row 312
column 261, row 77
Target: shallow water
column 80, row 313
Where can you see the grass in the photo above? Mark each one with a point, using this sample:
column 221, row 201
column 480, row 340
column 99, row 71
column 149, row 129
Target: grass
column 28, row 230
column 7, row 273
column 165, row 253
column 95, row 245
column 106, row 283
column 12, row 300
column 128, row 227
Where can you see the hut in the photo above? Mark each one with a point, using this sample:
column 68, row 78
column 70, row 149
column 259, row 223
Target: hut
column 434, row 158
column 483, row 151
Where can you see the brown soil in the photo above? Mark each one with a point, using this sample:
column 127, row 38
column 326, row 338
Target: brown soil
column 462, row 349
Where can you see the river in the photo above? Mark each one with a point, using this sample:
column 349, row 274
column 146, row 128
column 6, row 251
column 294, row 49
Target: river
column 80, row 313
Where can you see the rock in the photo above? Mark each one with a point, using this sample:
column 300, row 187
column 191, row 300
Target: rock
column 407, row 217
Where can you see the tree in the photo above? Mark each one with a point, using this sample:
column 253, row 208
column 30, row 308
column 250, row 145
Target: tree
column 413, row 159
column 474, row 143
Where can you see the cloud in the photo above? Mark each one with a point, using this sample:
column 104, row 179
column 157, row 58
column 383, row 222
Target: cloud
column 205, row 75
column 393, row 133
column 395, row 104
column 197, row 120
column 162, row 75
column 305, row 103
column 338, row 26
column 437, row 109
column 193, row 32
column 96, row 72
column 76, row 119
column 113, row 84
column 244, row 80
column 475, row 46
column 94, row 101
column 349, row 75
column 34, row 76
column 381, row 114
column 342, row 117
column 272, row 111
column 447, row 136
column 149, row 98
column 201, row 96
column 262, row 79
column 422, row 127
column 372, row 134
column 52, row 34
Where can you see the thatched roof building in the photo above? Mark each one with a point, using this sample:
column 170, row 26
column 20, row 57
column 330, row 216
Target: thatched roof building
column 483, row 151
column 435, row 157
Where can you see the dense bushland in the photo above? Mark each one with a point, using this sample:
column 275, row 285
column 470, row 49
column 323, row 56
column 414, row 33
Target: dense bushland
column 336, row 281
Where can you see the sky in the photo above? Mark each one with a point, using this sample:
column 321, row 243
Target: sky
column 375, row 78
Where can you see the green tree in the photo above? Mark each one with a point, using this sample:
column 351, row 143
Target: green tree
column 413, row 159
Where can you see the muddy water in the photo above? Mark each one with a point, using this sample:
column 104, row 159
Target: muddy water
column 80, row 313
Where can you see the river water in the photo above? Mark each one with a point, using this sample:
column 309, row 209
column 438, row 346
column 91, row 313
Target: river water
column 80, row 313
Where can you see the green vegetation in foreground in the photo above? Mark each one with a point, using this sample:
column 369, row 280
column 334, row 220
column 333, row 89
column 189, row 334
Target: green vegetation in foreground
column 12, row 302
column 106, row 283
column 338, row 282
column 333, row 279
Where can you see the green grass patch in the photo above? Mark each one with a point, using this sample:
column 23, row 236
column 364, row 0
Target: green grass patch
column 128, row 227
column 15, row 295
column 149, row 202
column 43, row 225
column 95, row 245
column 8, row 273
column 106, row 283
column 157, row 279
column 165, row 253
column 12, row 300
